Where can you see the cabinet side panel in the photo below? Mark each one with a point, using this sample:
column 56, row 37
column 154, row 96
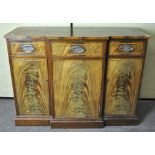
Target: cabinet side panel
column 123, row 82
column 77, row 88
column 31, row 85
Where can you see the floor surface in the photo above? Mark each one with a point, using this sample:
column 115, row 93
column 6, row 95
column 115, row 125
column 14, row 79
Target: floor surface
column 146, row 111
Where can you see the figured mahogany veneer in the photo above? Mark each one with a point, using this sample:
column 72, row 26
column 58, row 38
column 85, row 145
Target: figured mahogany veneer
column 85, row 79
column 92, row 49
column 138, row 48
column 39, row 48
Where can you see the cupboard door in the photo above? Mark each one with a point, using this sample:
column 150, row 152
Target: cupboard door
column 31, row 86
column 77, row 88
column 123, row 82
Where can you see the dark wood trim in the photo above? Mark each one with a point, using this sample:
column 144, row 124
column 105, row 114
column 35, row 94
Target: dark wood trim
column 96, row 39
column 80, row 57
column 56, row 123
column 13, row 80
column 28, row 56
column 105, row 79
column 128, row 38
column 25, row 39
column 127, row 56
column 104, row 51
column 51, row 78
column 121, row 120
column 75, row 40
column 32, row 121
column 140, row 99
column 89, row 38
column 142, row 71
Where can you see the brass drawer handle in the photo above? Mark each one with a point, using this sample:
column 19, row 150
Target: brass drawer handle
column 28, row 48
column 126, row 48
column 77, row 49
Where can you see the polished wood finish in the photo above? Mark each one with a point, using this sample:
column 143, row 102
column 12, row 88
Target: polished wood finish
column 79, row 33
column 121, row 120
column 32, row 121
column 123, row 77
column 78, row 82
column 112, row 32
column 39, row 46
column 31, row 85
column 93, row 49
column 53, row 86
column 137, row 45
column 88, row 123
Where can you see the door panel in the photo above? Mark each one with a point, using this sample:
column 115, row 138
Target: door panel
column 123, row 81
column 31, row 85
column 77, row 88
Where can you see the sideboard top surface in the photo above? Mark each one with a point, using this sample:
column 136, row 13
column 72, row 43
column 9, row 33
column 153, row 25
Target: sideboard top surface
column 78, row 32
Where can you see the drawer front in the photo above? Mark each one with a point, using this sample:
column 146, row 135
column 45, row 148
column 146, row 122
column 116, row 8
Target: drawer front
column 69, row 49
column 127, row 48
column 28, row 48
column 31, row 86
column 123, row 82
column 77, row 88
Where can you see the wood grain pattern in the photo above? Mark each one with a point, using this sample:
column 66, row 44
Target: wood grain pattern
column 123, row 81
column 92, row 49
column 77, row 88
column 40, row 48
column 31, row 85
column 137, row 45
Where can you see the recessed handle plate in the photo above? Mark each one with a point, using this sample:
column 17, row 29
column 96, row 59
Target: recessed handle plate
column 126, row 48
column 28, row 48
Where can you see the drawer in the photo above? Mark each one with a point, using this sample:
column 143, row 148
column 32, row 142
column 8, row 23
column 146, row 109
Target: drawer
column 126, row 48
column 28, row 48
column 69, row 49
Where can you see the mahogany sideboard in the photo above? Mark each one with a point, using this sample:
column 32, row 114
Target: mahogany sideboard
column 81, row 78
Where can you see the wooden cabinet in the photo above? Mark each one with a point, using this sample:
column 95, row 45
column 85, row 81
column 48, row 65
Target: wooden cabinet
column 89, row 79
